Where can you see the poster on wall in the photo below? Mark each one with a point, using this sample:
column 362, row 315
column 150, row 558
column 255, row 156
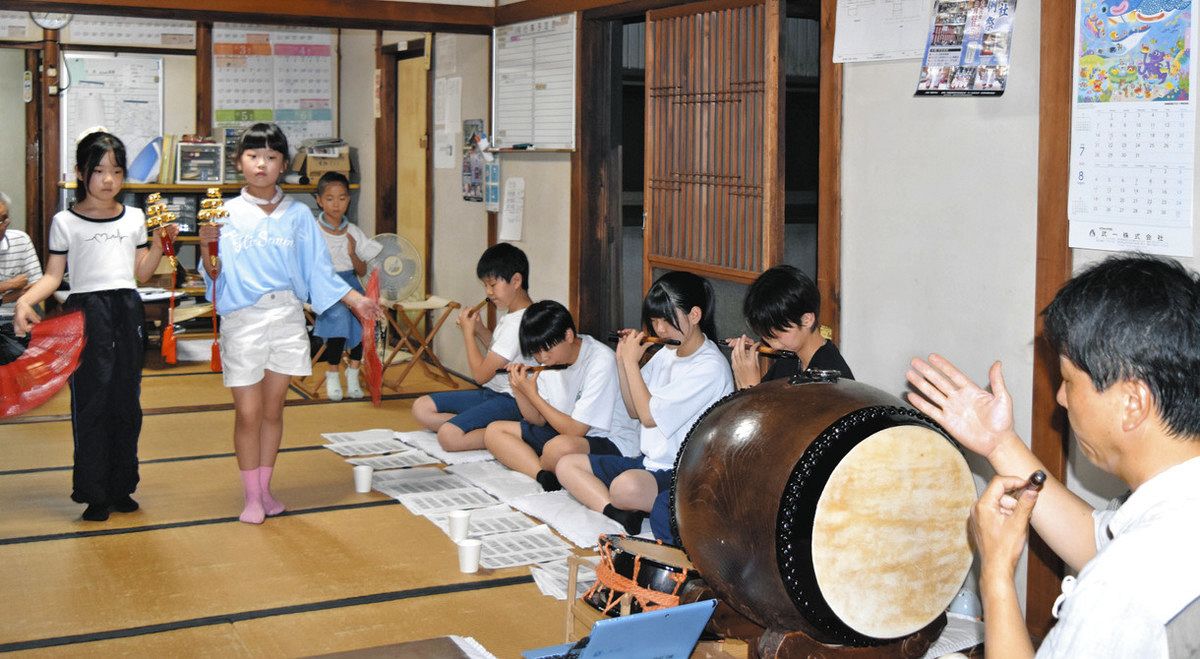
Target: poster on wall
column 1133, row 127
column 967, row 48
column 870, row 31
column 472, row 161
column 122, row 93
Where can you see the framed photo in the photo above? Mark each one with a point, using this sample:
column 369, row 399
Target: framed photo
column 199, row 163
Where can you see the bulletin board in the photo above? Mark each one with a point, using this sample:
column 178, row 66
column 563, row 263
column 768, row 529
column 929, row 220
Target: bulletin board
column 123, row 93
column 533, row 83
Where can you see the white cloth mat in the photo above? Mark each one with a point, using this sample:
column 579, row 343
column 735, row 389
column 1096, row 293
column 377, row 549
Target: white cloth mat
column 427, row 441
column 570, row 518
column 496, row 479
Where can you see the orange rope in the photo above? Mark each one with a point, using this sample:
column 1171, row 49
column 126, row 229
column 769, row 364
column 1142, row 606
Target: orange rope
column 618, row 584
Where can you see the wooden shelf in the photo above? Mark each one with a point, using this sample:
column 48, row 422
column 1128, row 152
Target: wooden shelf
column 171, row 188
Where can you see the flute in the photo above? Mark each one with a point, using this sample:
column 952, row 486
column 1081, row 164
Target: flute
column 1036, row 480
column 480, row 305
column 615, row 336
column 766, row 351
column 538, row 369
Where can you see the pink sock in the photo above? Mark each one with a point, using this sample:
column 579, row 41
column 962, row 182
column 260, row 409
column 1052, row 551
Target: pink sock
column 271, row 506
column 253, row 512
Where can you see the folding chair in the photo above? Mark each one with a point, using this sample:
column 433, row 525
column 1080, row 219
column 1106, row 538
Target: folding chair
column 311, row 384
column 415, row 345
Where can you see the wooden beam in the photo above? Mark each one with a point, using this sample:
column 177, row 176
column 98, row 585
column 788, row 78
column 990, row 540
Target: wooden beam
column 363, row 14
column 1049, row 432
column 204, row 78
column 829, row 182
column 529, row 10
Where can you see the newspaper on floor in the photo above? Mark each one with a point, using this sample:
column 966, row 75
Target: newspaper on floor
column 427, row 503
column 370, row 447
column 570, row 518
column 374, row 435
column 535, row 545
column 472, row 648
column 408, row 458
column 551, row 577
column 486, row 521
column 960, row 633
column 427, row 441
column 496, row 479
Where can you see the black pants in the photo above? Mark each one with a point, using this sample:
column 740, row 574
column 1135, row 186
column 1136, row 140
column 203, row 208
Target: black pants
column 333, row 351
column 106, row 409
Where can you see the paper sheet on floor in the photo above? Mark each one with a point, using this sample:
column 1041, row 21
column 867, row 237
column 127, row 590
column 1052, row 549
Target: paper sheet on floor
column 472, row 648
column 961, row 632
column 427, row 441
column 369, row 447
column 408, row 458
column 423, row 484
column 496, row 479
column 570, row 518
column 427, row 503
column 551, row 577
column 535, row 545
column 374, row 435
column 487, row 521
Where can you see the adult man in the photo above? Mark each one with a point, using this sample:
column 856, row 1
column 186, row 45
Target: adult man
column 19, row 268
column 1128, row 335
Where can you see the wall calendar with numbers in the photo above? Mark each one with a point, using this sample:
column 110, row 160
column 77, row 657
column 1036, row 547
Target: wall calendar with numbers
column 1133, row 126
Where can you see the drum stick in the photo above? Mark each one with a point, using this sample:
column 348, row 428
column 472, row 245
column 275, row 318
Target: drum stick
column 765, row 351
column 538, row 369
column 615, row 336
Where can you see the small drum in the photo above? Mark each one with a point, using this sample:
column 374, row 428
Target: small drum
column 652, row 572
column 824, row 507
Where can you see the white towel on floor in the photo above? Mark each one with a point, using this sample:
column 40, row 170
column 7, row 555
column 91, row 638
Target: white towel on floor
column 570, row 518
column 427, row 441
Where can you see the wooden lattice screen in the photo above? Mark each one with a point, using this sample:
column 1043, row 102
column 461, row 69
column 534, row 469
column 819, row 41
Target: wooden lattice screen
column 714, row 186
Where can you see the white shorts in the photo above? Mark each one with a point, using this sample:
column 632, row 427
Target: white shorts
column 270, row 334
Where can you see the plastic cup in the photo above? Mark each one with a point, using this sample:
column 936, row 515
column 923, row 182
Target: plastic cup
column 468, row 555
column 362, row 478
column 460, row 523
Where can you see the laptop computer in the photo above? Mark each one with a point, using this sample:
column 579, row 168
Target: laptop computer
column 663, row 634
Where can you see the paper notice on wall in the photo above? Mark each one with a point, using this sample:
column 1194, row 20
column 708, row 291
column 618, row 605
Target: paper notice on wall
column 512, row 209
column 447, row 113
column 445, row 53
column 868, row 30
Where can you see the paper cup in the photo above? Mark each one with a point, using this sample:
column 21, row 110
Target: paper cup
column 362, row 478
column 468, row 555
column 460, row 523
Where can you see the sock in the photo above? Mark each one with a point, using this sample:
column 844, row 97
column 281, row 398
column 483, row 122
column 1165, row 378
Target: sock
column 124, row 504
column 253, row 512
column 271, row 505
column 333, row 385
column 353, row 390
column 630, row 519
column 96, row 512
column 548, row 481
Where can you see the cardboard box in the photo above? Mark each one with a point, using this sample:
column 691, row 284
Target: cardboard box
column 312, row 167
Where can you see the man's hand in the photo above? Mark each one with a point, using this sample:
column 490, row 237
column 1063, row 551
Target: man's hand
column 469, row 320
column 15, row 284
column 976, row 418
column 1000, row 525
column 521, row 380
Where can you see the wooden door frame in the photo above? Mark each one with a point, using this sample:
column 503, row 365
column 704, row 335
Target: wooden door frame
column 591, row 202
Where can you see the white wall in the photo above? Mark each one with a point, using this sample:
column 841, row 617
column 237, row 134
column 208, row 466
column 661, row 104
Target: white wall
column 939, row 203
column 356, row 114
column 12, row 132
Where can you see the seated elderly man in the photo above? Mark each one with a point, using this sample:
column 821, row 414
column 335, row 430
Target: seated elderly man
column 19, row 268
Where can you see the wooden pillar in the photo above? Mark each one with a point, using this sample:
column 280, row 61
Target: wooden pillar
column 51, row 140
column 829, row 185
column 204, row 79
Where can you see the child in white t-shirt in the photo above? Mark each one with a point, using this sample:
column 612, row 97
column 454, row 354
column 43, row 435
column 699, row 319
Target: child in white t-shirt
column 104, row 245
column 460, row 417
column 574, row 410
column 350, row 249
column 666, row 396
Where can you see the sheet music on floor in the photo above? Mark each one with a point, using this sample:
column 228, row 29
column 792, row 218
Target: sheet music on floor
column 571, row 519
column 408, row 458
column 351, row 449
column 535, row 545
column 551, row 577
column 961, row 632
column 377, row 434
column 427, row 503
column 496, row 479
column 427, row 441
column 423, row 484
column 487, row 521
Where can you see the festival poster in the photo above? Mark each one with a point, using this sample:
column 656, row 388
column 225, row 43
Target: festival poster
column 967, row 50
column 1133, row 126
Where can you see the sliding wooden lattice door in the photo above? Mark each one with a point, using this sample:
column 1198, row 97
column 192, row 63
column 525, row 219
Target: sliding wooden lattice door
column 714, row 175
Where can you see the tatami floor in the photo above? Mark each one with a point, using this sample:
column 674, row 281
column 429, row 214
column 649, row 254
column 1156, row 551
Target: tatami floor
column 182, row 577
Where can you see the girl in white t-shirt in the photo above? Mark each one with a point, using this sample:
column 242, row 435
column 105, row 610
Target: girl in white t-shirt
column 350, row 249
column 666, row 396
column 103, row 244
column 574, row 410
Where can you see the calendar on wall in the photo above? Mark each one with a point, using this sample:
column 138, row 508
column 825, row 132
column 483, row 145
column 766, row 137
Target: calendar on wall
column 1133, row 127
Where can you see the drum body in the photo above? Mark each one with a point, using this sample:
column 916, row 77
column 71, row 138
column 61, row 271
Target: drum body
column 629, row 564
column 826, row 508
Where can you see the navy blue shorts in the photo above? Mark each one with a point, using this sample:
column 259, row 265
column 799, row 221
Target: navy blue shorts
column 537, row 437
column 476, row 408
column 660, row 517
column 608, row 467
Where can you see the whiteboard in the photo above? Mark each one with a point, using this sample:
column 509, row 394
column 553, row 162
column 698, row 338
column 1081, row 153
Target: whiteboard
column 533, row 84
column 123, row 93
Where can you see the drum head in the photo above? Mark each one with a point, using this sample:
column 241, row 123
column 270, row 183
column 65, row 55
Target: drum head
column 889, row 541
